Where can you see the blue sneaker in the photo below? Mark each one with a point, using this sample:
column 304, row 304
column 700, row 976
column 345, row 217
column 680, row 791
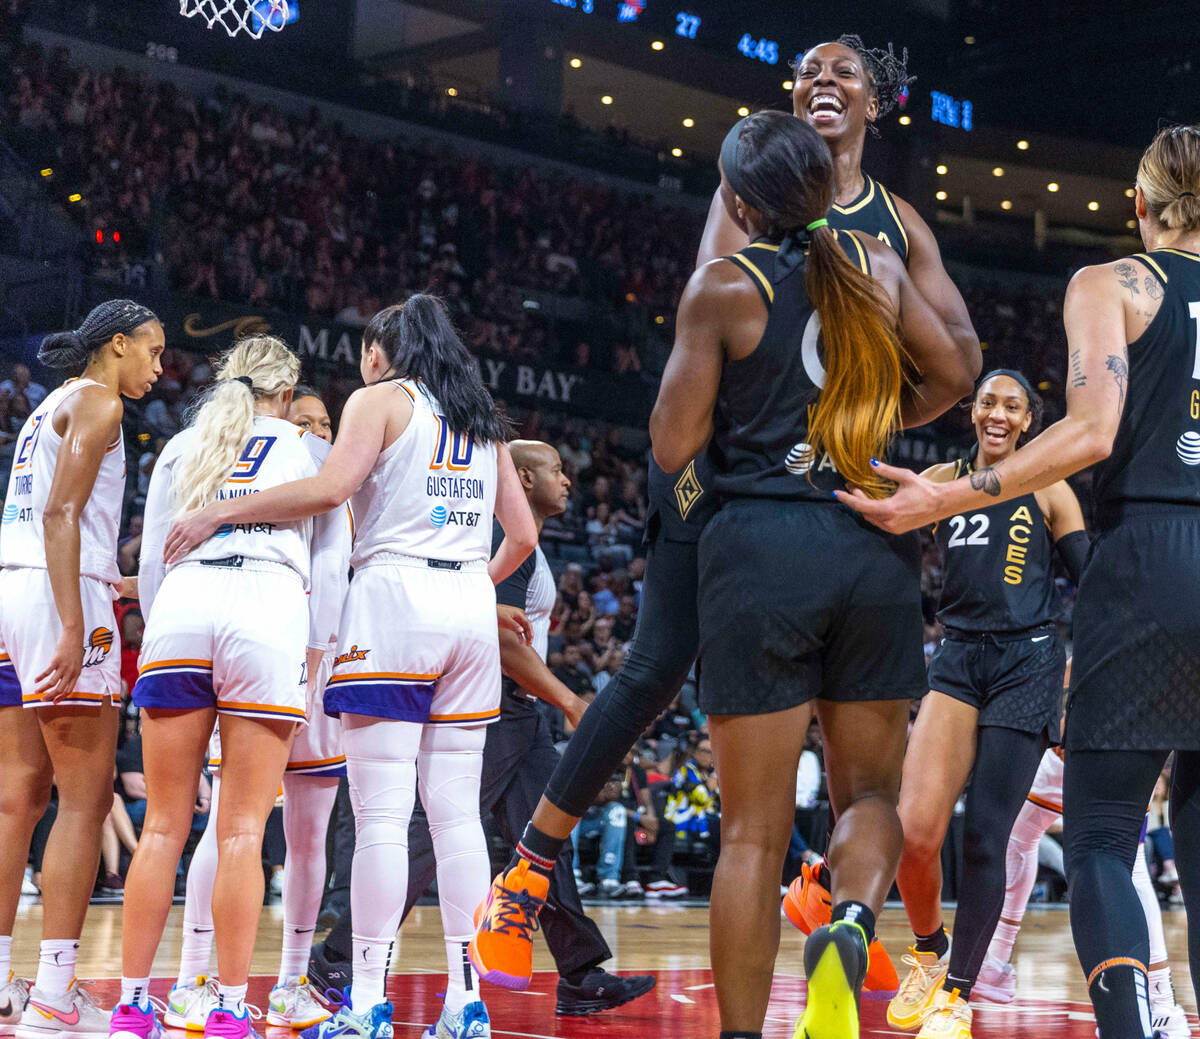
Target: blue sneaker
column 469, row 1023
column 345, row 1024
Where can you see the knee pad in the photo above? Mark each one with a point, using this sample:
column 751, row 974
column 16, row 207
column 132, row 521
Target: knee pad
column 382, row 794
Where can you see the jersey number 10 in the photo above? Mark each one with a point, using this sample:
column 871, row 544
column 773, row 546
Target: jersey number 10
column 453, row 450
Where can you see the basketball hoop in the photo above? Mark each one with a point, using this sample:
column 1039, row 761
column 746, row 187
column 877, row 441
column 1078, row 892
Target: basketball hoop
column 252, row 17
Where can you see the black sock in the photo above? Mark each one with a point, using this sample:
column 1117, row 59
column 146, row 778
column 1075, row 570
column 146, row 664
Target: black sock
column 856, row 913
column 938, row 942
column 964, row 987
column 540, row 850
column 741, row 1035
column 1120, row 999
column 823, row 876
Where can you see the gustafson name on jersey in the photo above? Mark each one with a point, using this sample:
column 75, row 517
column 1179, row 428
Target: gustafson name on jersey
column 448, row 513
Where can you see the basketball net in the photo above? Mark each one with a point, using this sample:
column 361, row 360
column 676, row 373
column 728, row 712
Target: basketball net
column 252, row 17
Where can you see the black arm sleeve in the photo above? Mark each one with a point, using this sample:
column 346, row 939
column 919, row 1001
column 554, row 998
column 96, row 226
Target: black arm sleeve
column 512, row 591
column 1073, row 548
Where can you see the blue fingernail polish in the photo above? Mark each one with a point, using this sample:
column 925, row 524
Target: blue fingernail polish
column 874, row 461
column 833, row 494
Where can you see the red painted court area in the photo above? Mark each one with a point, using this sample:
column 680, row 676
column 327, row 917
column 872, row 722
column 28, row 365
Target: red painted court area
column 682, row 1006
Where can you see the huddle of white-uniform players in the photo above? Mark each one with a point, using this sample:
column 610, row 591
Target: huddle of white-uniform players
column 254, row 622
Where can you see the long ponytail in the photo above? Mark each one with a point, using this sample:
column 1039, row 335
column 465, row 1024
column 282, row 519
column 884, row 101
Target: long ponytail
column 258, row 366
column 780, row 166
column 420, row 343
column 858, row 411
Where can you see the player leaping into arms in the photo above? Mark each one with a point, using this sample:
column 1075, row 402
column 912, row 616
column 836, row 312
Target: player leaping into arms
column 420, row 448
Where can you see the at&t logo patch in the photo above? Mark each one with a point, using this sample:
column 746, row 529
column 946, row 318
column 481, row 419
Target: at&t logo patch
column 438, row 515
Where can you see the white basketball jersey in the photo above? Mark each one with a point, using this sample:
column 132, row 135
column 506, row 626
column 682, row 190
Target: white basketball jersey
column 431, row 493
column 21, row 537
column 276, row 452
column 539, row 602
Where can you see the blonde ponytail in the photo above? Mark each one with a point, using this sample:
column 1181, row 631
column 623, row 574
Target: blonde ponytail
column 858, row 411
column 1169, row 176
column 224, row 421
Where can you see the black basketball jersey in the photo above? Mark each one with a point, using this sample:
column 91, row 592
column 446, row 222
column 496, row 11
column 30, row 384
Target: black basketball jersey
column 997, row 567
column 1156, row 454
column 680, row 504
column 759, row 447
column 874, row 213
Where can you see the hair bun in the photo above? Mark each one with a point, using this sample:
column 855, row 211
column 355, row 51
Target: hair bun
column 64, row 350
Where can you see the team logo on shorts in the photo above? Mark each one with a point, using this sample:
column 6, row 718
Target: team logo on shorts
column 352, row 654
column 98, row 644
column 438, row 515
column 799, row 459
column 687, row 489
column 1188, row 448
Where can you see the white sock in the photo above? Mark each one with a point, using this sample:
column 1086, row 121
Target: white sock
column 461, row 986
column 232, row 998
column 371, row 956
column 297, row 944
column 1162, row 992
column 1150, row 907
column 5, row 958
column 195, row 952
column 136, row 992
column 56, row 966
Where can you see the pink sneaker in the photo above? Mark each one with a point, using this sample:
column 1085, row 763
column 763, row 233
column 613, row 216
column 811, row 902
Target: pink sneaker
column 132, row 1022
column 222, row 1024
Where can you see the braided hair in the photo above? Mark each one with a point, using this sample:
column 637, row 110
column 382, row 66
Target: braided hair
column 887, row 72
column 73, row 349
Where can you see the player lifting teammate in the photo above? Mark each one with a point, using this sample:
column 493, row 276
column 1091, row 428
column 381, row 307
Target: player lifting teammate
column 418, row 673
column 996, row 693
column 58, row 543
column 789, row 355
column 1131, row 407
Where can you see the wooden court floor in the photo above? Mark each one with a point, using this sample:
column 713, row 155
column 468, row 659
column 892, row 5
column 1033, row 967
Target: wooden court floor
column 669, row 941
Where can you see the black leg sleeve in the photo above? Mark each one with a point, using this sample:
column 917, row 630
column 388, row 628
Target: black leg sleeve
column 1006, row 762
column 664, row 646
column 574, row 940
column 1185, row 823
column 1105, row 793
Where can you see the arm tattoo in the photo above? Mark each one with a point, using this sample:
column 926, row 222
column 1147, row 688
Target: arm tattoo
column 1127, row 276
column 1153, row 289
column 986, row 480
column 1077, row 376
column 1120, row 373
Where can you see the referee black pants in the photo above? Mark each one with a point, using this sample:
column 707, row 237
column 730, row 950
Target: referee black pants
column 518, row 759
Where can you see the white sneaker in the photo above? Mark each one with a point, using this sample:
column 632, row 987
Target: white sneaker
column 76, row 1013
column 1170, row 1022
column 14, row 994
column 294, row 1005
column 634, row 889
column 469, row 1023
column 584, row 887
column 188, row 1006
column 665, row 889
column 997, row 981
column 28, row 887
column 916, row 992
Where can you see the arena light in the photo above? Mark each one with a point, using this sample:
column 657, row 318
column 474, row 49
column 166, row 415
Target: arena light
column 689, row 122
column 657, row 45
column 677, row 152
column 1023, row 146
column 997, row 171
column 1130, row 192
column 659, row 319
column 1093, row 206
column 743, row 111
column 942, row 170
column 1052, row 186
column 1006, row 204
column 576, row 63
column 452, row 91
column 99, row 236
column 47, row 172
column 75, row 197
column 904, row 120
column 969, row 41
column 1131, row 224
column 788, row 84
column 606, row 99
column 941, row 196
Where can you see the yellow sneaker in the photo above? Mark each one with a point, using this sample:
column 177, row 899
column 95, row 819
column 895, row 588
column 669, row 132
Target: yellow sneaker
column 917, row 990
column 948, row 1016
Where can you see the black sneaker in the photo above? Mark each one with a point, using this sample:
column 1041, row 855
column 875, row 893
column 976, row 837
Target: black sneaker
column 835, row 964
column 599, row 991
column 325, row 974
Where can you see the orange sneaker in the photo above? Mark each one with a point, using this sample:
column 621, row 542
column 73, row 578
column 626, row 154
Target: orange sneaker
column 809, row 906
column 502, row 950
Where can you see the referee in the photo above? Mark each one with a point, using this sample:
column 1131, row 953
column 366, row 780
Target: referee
column 518, row 760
